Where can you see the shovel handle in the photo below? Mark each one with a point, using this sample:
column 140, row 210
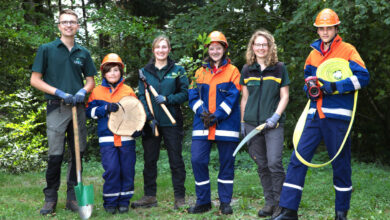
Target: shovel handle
column 163, row 106
column 76, row 143
column 147, row 95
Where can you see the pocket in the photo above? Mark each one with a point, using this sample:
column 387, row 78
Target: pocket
column 51, row 107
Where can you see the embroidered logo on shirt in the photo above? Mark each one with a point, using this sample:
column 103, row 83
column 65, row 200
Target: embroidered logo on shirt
column 172, row 75
column 78, row 61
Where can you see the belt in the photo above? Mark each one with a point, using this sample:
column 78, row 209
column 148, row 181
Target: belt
column 54, row 101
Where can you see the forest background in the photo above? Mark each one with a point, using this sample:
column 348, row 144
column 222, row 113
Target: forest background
column 127, row 27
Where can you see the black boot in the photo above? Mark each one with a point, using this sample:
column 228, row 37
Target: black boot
column 123, row 209
column 341, row 215
column 199, row 208
column 111, row 210
column 286, row 214
column 225, row 208
column 48, row 208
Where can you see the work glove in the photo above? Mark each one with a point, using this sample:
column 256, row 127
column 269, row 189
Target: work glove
column 160, row 99
column 211, row 121
column 136, row 134
column 328, row 87
column 242, row 129
column 153, row 124
column 112, row 107
column 80, row 96
column 68, row 98
column 204, row 115
column 272, row 121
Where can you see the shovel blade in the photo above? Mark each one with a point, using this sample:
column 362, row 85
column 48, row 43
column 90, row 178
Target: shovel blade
column 85, row 212
column 85, row 197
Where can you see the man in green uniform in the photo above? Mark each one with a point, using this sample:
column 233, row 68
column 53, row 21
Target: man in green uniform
column 59, row 70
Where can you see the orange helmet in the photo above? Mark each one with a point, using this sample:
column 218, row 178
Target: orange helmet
column 217, row 36
column 327, row 18
column 111, row 58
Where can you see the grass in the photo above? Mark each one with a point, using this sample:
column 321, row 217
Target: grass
column 22, row 197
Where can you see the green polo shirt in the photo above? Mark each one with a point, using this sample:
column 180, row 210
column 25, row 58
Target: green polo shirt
column 63, row 69
column 264, row 91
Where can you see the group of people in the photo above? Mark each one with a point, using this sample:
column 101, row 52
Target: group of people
column 61, row 66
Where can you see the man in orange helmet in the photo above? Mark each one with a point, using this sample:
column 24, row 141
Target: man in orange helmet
column 328, row 119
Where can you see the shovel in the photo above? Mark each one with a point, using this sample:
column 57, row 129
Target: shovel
column 84, row 194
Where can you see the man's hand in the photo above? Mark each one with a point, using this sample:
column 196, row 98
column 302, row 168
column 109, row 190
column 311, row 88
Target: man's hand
column 328, row 87
column 112, row 107
column 272, row 121
column 68, row 98
column 160, row 99
column 80, row 96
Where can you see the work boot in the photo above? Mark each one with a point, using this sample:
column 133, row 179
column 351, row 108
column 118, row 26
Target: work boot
column 145, row 202
column 277, row 210
column 48, row 208
column 72, row 205
column 286, row 214
column 267, row 210
column 225, row 208
column 179, row 203
column 111, row 210
column 199, row 208
column 123, row 209
column 341, row 215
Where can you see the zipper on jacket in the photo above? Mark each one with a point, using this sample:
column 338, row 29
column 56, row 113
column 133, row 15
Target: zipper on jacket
column 260, row 93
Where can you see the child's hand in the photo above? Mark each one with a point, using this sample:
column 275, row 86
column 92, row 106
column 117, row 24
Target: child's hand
column 112, row 107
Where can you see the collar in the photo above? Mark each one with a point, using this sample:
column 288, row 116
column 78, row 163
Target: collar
column 58, row 43
column 256, row 67
column 224, row 63
column 151, row 68
column 106, row 84
column 335, row 42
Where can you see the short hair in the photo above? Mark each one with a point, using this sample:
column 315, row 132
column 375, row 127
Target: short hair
column 108, row 66
column 272, row 56
column 69, row 12
column 160, row 38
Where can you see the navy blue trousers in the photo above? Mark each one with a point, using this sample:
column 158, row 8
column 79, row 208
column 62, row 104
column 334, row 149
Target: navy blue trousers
column 200, row 157
column 118, row 164
column 332, row 131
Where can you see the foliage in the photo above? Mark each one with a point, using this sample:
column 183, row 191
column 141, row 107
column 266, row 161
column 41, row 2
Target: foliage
column 23, row 143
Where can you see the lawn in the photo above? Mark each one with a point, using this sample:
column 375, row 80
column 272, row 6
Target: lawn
column 22, row 197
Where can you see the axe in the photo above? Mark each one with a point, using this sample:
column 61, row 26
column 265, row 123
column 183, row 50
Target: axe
column 155, row 94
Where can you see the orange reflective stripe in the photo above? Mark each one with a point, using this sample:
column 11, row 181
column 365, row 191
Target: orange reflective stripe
column 212, row 132
column 117, row 141
column 319, row 107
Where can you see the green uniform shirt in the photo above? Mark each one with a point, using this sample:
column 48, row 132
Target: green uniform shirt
column 63, row 69
column 264, row 91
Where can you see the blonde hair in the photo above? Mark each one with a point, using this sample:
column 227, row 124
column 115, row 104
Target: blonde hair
column 69, row 12
column 160, row 38
column 272, row 56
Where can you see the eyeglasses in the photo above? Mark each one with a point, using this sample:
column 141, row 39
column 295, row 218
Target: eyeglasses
column 261, row 45
column 71, row 23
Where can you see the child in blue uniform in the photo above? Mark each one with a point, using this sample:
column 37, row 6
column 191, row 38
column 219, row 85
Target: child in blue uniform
column 117, row 152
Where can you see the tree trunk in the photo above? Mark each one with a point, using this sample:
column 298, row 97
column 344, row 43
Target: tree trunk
column 85, row 23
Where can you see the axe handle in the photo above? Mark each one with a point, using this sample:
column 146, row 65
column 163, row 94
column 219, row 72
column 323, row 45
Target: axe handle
column 154, row 92
column 147, row 96
column 76, row 143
